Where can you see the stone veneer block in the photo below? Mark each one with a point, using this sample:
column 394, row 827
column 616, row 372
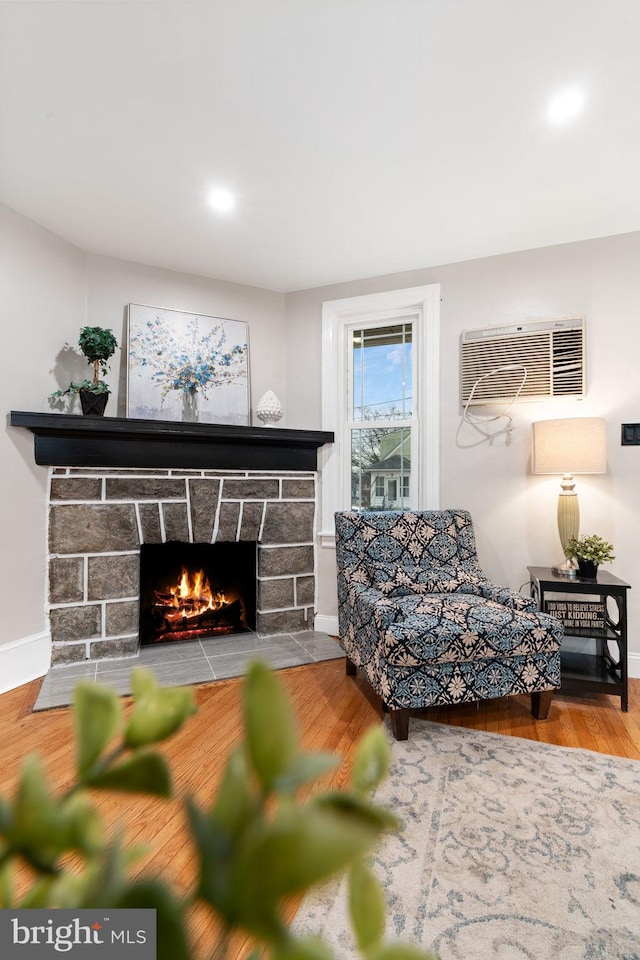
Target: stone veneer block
column 66, row 579
column 92, row 528
column 251, row 489
column 275, row 594
column 76, row 488
column 111, row 577
column 113, row 648
column 284, row 621
column 122, row 617
column 151, row 531
column 251, row 521
column 68, row 653
column 278, row 561
column 305, row 591
column 288, row 523
column 228, row 522
column 176, row 523
column 136, row 488
column 298, row 489
column 203, row 497
column 76, row 623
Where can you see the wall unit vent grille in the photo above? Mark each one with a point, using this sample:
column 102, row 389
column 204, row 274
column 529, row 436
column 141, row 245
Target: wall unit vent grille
column 552, row 351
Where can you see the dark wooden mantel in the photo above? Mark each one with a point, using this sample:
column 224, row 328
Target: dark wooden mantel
column 69, row 440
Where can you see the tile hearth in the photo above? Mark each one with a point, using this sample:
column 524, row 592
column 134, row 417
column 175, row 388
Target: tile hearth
column 199, row 661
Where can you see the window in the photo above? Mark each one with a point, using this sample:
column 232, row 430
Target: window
column 380, row 396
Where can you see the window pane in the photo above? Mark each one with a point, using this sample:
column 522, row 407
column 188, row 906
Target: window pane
column 382, row 387
column 380, row 468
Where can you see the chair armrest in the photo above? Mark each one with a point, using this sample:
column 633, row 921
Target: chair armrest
column 508, row 598
column 368, row 602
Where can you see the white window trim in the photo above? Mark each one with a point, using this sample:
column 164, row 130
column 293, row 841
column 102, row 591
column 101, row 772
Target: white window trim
column 336, row 314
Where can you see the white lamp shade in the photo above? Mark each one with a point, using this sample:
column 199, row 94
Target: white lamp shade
column 575, row 445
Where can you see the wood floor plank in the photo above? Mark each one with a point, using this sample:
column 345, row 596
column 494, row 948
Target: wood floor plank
column 333, row 711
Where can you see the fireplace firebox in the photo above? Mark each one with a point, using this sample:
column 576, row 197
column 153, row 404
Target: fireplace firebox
column 189, row 591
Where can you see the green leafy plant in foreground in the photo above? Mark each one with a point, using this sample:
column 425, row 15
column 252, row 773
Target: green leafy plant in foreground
column 258, row 843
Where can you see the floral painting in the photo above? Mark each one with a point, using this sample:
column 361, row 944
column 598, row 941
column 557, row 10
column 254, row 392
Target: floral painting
column 183, row 366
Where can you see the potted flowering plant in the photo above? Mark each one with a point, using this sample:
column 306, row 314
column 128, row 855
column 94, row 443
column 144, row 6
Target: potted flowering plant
column 97, row 344
column 589, row 552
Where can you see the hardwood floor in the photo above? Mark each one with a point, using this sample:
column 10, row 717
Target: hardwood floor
column 333, row 710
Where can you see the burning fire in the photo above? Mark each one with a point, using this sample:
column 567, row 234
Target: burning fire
column 191, row 597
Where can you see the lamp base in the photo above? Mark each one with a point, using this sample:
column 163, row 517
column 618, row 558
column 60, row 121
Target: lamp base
column 565, row 569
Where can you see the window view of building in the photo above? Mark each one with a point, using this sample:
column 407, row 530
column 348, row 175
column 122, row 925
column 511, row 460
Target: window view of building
column 381, row 362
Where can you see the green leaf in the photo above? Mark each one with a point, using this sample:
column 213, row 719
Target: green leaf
column 6, row 818
column 371, row 762
column 142, row 682
column 235, row 803
column 83, row 824
column 38, row 895
column 171, row 937
column 215, row 849
column 304, row 768
column 6, row 884
column 301, row 846
column 157, row 714
column 359, row 808
column 96, row 714
column 141, row 773
column 269, row 724
column 39, row 829
column 366, row 907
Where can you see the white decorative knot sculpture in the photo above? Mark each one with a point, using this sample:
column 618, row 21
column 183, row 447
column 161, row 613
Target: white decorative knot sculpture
column 269, row 409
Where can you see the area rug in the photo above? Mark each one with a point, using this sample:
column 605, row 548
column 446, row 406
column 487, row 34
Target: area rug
column 509, row 849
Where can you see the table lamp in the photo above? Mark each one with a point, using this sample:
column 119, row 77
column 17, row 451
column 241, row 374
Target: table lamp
column 576, row 445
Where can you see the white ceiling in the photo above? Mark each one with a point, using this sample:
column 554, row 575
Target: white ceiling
column 362, row 136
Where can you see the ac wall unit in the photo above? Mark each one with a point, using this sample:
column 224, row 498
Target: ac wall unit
column 551, row 351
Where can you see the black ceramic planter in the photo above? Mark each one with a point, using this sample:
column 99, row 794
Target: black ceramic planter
column 93, row 404
column 587, row 569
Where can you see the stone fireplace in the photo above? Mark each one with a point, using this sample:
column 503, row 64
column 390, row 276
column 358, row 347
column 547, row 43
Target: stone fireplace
column 99, row 517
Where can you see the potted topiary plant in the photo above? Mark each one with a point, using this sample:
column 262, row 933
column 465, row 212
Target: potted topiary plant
column 589, row 552
column 97, row 344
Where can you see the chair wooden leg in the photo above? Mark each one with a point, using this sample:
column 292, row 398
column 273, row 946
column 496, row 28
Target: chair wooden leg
column 399, row 723
column 351, row 667
column 540, row 703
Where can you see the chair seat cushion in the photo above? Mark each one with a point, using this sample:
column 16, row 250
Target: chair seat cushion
column 460, row 627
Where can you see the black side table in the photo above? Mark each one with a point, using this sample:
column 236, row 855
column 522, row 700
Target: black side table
column 603, row 671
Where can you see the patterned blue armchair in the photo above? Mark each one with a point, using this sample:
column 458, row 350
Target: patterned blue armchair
column 424, row 624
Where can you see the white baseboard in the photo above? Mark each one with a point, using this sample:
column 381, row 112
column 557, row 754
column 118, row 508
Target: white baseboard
column 326, row 624
column 24, row 660
column 633, row 665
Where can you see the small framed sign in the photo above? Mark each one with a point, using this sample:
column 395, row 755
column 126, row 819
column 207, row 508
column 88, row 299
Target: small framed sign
column 578, row 614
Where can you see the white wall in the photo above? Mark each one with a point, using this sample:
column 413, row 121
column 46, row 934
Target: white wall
column 112, row 284
column 42, row 301
column 514, row 512
column 48, row 291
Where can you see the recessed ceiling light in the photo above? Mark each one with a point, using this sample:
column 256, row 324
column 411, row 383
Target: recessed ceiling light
column 566, row 105
column 222, row 200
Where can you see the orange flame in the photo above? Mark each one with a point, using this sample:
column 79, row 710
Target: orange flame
column 192, row 596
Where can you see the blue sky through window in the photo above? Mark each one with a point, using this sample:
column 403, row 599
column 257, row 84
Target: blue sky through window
column 382, row 372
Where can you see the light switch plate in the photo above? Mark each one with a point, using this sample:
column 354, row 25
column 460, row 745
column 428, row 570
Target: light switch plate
column 630, row 435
